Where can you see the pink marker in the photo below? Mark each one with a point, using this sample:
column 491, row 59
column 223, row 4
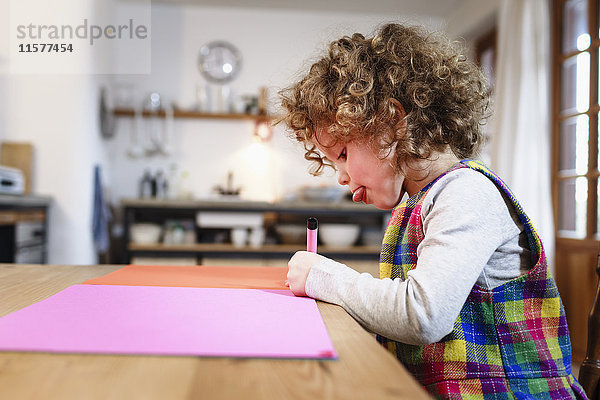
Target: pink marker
column 312, row 226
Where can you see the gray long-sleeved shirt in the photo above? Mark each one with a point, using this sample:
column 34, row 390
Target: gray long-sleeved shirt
column 472, row 235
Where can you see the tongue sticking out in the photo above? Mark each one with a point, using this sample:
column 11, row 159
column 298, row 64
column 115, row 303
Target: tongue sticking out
column 358, row 194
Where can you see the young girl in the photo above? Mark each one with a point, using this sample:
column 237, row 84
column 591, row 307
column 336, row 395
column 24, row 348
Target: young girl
column 465, row 298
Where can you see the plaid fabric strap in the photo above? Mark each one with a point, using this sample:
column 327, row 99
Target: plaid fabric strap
column 508, row 342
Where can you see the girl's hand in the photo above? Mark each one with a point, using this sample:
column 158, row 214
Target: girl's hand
column 299, row 266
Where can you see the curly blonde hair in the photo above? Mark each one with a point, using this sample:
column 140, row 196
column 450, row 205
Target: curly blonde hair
column 351, row 93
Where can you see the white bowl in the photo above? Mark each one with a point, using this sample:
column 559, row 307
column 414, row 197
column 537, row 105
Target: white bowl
column 145, row 233
column 291, row 234
column 372, row 236
column 339, row 235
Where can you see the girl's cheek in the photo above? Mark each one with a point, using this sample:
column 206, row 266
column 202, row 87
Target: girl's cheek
column 354, row 172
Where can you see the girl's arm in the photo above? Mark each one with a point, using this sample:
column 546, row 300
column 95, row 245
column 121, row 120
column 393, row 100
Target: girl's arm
column 465, row 219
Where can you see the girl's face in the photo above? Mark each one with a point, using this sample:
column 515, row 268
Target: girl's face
column 372, row 179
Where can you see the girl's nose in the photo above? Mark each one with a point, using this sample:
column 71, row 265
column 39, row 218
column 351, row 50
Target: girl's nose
column 343, row 177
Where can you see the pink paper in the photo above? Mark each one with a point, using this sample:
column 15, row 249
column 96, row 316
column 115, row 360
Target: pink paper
column 170, row 321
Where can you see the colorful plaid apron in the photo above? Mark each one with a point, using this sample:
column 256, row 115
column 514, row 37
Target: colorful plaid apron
column 509, row 342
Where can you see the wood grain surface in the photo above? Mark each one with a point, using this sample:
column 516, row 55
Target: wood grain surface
column 364, row 369
column 19, row 156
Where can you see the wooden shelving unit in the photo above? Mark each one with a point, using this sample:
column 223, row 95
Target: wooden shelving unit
column 157, row 211
column 24, row 229
column 190, row 114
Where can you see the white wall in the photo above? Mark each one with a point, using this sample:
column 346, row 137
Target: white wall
column 3, row 66
column 472, row 18
column 58, row 114
column 275, row 46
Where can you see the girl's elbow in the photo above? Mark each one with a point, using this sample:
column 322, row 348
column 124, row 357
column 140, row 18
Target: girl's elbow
column 433, row 332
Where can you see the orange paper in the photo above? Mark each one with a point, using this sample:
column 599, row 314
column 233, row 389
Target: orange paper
column 200, row 276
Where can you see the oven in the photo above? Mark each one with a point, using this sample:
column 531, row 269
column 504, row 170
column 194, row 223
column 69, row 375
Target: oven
column 23, row 242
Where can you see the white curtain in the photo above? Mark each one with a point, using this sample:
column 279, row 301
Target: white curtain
column 521, row 135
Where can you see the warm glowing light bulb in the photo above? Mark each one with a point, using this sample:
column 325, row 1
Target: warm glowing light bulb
column 263, row 131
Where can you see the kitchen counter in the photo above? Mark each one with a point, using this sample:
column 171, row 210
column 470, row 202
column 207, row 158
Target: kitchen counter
column 364, row 369
column 236, row 204
column 24, row 200
column 23, row 228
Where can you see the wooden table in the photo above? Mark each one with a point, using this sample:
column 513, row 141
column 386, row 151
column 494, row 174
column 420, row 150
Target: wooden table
column 364, row 369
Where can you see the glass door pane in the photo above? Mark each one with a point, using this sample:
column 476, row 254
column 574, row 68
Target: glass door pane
column 572, row 196
column 574, row 144
column 575, row 77
column 487, row 65
column 574, row 25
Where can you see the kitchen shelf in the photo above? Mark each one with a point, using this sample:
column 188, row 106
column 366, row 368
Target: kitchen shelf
column 190, row 114
column 159, row 211
column 236, row 204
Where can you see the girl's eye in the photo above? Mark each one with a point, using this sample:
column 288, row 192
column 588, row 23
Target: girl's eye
column 342, row 155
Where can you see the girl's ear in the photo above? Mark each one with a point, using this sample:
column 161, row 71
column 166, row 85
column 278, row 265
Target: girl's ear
column 399, row 114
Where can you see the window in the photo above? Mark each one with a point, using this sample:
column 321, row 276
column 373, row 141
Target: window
column 485, row 56
column 575, row 119
column 575, row 160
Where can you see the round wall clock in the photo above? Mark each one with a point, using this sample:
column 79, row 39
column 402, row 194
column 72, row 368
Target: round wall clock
column 219, row 62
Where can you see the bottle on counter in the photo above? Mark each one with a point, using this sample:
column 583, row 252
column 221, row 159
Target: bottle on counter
column 178, row 235
column 160, row 185
column 184, row 191
column 146, row 185
column 173, row 183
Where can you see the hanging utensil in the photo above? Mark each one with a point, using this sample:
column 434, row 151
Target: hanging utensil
column 166, row 145
column 135, row 149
